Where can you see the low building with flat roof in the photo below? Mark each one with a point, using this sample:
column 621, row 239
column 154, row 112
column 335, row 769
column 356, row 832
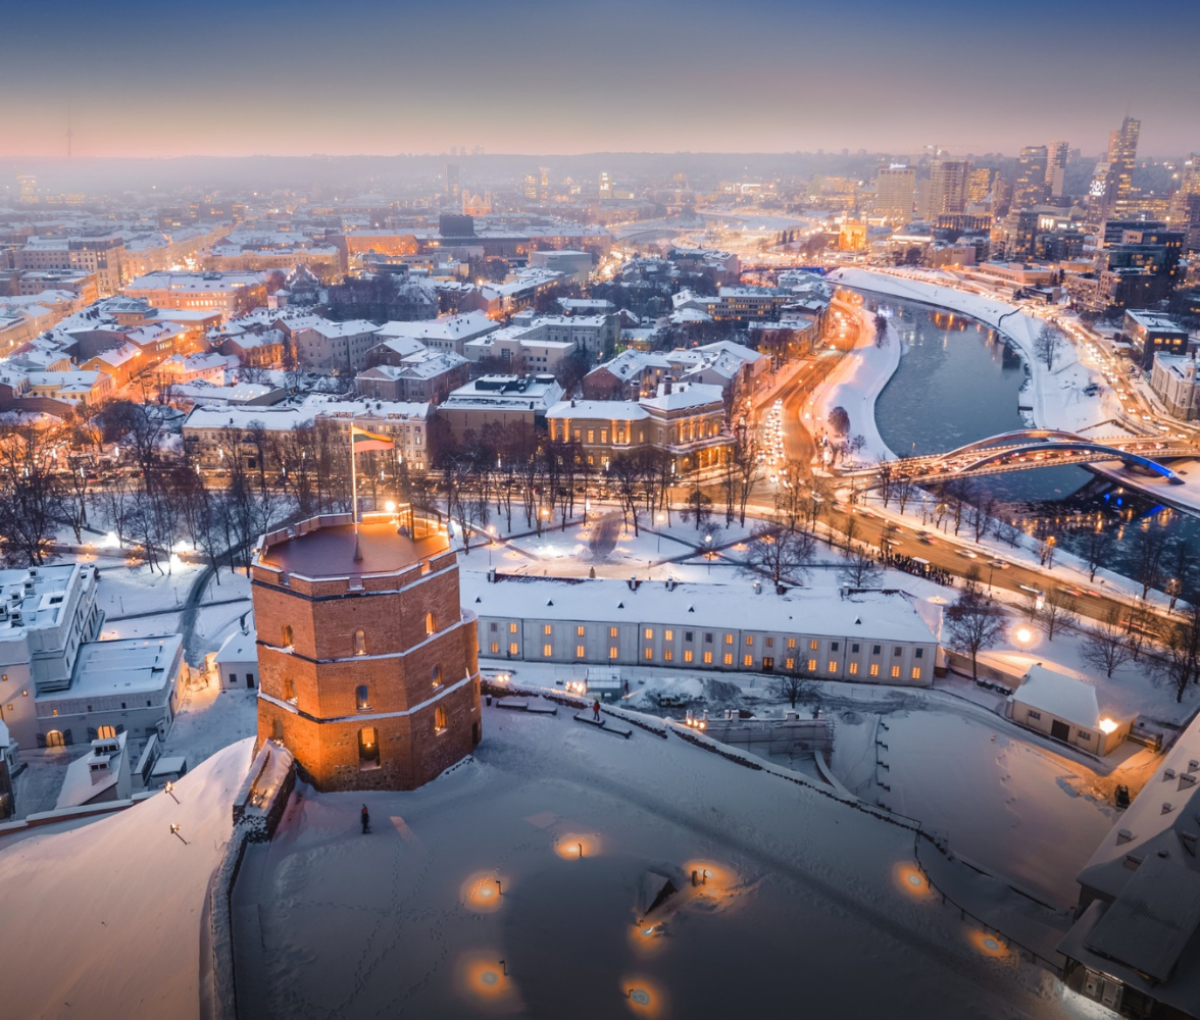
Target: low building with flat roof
column 500, row 399
column 870, row 638
column 126, row 685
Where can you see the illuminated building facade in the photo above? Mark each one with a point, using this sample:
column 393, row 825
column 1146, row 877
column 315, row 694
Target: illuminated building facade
column 368, row 665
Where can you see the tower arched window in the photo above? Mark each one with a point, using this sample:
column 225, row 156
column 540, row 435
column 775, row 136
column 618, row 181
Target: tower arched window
column 437, row 676
column 360, row 642
column 368, row 749
column 287, row 636
column 361, row 701
column 439, row 720
column 430, row 623
column 289, row 689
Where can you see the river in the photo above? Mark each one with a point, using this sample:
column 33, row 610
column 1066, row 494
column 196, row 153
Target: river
column 958, row 382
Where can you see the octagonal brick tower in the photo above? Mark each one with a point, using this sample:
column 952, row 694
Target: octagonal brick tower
column 368, row 665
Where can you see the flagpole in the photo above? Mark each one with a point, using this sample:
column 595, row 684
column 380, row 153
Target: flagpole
column 353, row 482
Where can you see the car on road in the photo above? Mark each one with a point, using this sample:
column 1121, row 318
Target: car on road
column 968, row 554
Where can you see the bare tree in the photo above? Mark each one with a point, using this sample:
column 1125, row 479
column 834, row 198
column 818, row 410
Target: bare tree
column 780, row 555
column 795, row 686
column 972, row 624
column 1104, row 645
column 1179, row 663
column 1058, row 608
column 1148, row 546
column 1047, row 345
column 1097, row 544
column 697, row 507
column 859, row 570
column 743, row 456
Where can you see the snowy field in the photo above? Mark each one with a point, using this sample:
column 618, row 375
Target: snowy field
column 1008, row 803
column 805, row 897
column 668, row 550
column 104, row 920
column 1013, row 801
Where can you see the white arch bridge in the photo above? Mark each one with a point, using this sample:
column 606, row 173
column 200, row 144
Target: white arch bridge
column 1028, row 449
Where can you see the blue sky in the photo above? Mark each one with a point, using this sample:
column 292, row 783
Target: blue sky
column 390, row 76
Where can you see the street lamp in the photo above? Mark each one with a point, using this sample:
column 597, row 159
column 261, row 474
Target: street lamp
column 660, row 518
column 708, row 554
column 491, row 541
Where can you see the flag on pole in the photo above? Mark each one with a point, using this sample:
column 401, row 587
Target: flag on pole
column 364, row 441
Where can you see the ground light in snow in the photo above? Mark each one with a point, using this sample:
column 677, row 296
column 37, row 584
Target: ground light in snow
column 576, row 846
column 912, row 881
column 484, row 977
column 483, row 892
column 644, row 997
column 988, row 944
column 716, row 886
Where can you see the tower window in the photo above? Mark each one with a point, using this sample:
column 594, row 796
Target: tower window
column 361, row 701
column 430, row 623
column 439, row 720
column 287, row 636
column 368, row 749
column 436, row 676
column 360, row 642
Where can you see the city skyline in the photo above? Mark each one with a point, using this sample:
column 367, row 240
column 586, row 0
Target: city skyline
column 291, row 80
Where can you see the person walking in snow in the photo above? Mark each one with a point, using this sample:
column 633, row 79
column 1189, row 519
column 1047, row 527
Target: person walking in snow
column 596, row 710
column 366, row 820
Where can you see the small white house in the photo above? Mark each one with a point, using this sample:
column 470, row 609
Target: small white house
column 236, row 661
column 1068, row 709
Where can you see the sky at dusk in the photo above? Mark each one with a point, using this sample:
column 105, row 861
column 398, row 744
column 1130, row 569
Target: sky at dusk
column 535, row 76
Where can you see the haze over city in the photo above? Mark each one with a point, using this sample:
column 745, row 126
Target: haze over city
column 670, row 510
column 384, row 77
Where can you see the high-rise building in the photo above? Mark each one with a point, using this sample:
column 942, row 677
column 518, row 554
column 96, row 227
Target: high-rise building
column 1029, row 188
column 606, row 187
column 1112, row 183
column 895, row 191
column 1056, row 168
column 1184, row 212
column 368, row 665
column 28, row 194
column 948, row 186
column 543, row 184
column 452, row 189
column 529, row 187
column 979, row 186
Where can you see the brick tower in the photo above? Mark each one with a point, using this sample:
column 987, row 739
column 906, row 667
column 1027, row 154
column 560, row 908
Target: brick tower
column 369, row 666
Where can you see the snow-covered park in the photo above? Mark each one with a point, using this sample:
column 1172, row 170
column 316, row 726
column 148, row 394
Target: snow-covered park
column 514, row 886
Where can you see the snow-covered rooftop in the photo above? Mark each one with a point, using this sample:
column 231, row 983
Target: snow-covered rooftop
column 886, row 617
column 123, row 666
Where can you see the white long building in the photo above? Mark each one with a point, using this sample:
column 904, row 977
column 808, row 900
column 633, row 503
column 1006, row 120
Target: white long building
column 874, row 638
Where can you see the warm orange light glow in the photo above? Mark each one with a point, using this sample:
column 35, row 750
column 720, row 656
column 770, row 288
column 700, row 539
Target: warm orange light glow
column 644, row 997
column 717, row 885
column 483, row 978
column 911, row 880
column 647, row 939
column 481, row 893
column 989, row 944
column 572, row 846
column 1024, row 635
column 1107, row 725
